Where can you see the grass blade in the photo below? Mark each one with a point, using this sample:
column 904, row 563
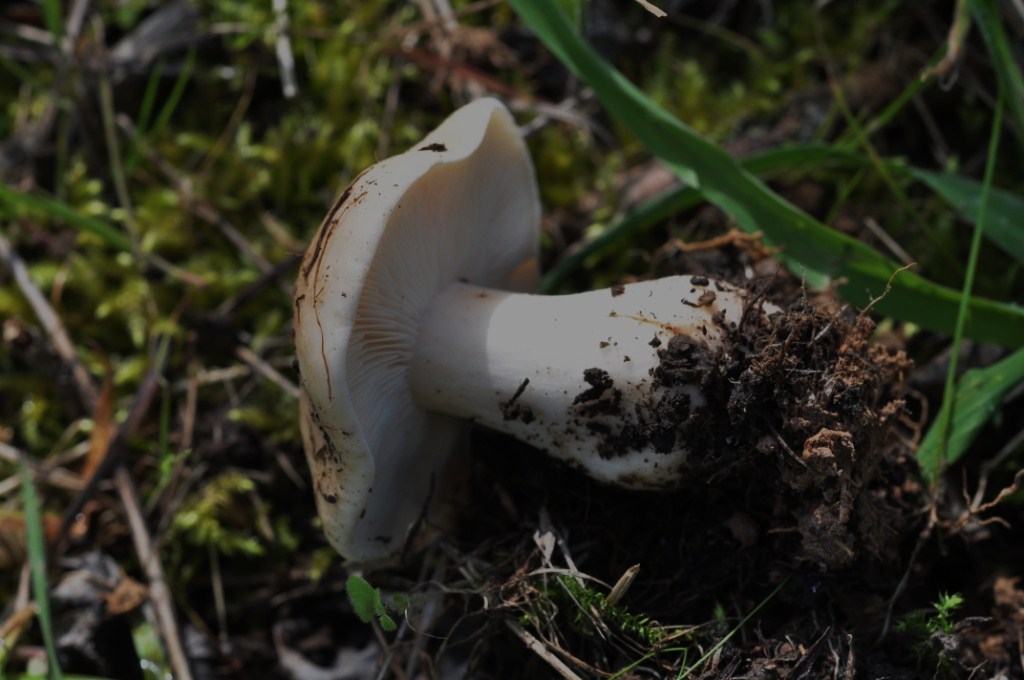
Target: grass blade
column 990, row 25
column 810, row 246
column 174, row 98
column 52, row 16
column 44, row 204
column 728, row 636
column 37, row 565
column 978, row 396
column 939, row 455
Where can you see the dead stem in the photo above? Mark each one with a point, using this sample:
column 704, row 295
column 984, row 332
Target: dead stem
column 267, row 371
column 159, row 593
column 51, row 323
column 41, row 472
column 538, row 648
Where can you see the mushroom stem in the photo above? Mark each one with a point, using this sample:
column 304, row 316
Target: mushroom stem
column 575, row 375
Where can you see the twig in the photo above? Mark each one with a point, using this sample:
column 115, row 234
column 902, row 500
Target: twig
column 565, row 111
column 73, row 25
column 390, row 107
column 283, row 45
column 274, row 274
column 23, row 596
column 217, row 585
column 51, row 323
column 211, row 376
column 11, row 628
column 734, row 237
column 905, row 579
column 538, row 648
column 1011, row 447
column 427, row 617
column 430, row 21
column 446, row 46
column 888, row 287
column 266, row 370
column 55, row 476
column 895, row 248
column 653, row 9
column 159, row 593
column 227, row 135
column 188, row 421
column 955, row 40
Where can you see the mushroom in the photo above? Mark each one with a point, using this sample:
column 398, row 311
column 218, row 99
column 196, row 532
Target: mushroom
column 413, row 316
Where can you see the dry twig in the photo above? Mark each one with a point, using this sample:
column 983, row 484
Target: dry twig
column 267, row 371
column 538, row 648
column 54, row 327
column 283, row 49
column 159, row 593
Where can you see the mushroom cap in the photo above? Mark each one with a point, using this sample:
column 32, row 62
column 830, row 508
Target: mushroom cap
column 462, row 205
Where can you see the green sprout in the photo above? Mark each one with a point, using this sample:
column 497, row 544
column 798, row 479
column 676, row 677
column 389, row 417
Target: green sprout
column 938, row 620
column 368, row 603
column 921, row 626
column 638, row 625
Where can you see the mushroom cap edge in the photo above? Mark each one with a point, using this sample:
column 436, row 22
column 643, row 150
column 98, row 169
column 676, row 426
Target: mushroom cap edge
column 373, row 453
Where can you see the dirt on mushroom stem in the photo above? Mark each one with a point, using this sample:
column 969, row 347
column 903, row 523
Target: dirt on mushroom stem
column 800, row 400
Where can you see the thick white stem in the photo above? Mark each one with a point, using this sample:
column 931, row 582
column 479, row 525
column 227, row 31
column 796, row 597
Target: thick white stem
column 575, row 374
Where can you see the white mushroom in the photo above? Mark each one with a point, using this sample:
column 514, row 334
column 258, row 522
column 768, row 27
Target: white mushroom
column 412, row 316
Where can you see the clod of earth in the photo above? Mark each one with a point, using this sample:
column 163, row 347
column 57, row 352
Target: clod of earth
column 413, row 316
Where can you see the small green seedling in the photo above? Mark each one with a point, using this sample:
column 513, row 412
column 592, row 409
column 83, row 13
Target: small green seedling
column 939, row 620
column 587, row 598
column 367, row 603
column 921, row 626
column 947, row 604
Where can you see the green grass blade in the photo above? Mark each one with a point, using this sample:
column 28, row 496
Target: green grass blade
column 810, row 247
column 52, row 16
column 174, row 98
column 728, row 636
column 990, row 25
column 978, row 396
column 944, row 424
column 887, row 114
column 37, row 565
column 145, row 112
column 44, row 204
